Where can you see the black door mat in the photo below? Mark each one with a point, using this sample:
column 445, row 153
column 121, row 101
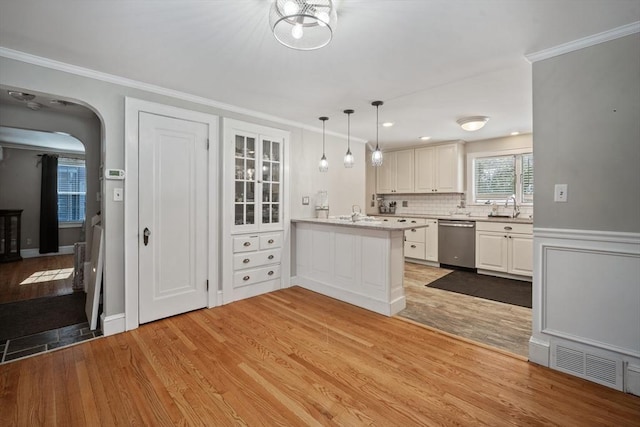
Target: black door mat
column 509, row 291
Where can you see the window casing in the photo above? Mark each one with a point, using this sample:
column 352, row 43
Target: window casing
column 495, row 177
column 72, row 191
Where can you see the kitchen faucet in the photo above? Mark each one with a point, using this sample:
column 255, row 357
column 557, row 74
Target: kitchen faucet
column 516, row 208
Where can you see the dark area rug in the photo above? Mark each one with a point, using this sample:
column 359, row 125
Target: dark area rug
column 509, row 291
column 22, row 318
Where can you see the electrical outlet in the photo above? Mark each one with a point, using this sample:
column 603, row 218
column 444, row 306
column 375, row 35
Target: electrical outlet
column 560, row 193
column 405, row 204
column 117, row 194
column 28, row 240
column 305, row 200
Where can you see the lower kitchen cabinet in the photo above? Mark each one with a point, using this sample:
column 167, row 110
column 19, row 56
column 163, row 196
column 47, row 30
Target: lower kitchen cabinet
column 420, row 243
column 431, row 240
column 504, row 248
column 256, row 260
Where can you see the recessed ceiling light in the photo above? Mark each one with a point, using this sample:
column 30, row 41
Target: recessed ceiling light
column 35, row 106
column 515, row 133
column 60, row 102
column 425, row 138
column 472, row 123
column 21, row 96
column 387, row 124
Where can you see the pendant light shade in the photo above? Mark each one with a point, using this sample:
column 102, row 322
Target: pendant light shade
column 303, row 24
column 348, row 158
column 376, row 156
column 323, row 166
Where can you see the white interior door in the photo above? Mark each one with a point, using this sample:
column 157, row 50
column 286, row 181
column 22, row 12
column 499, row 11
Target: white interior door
column 173, row 212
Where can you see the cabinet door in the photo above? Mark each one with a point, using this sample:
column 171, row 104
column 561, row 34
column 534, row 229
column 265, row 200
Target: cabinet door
column 245, row 148
column 424, row 160
column 270, row 182
column 386, row 174
column 521, row 254
column 431, row 240
column 404, row 171
column 447, row 169
column 491, row 251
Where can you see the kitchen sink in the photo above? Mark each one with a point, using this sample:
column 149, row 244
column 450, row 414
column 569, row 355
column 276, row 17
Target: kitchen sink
column 499, row 216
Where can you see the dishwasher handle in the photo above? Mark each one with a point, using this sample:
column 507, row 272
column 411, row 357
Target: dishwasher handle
column 457, row 224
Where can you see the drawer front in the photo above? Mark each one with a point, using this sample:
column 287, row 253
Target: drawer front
column 270, row 241
column 257, row 275
column 415, row 235
column 246, row 243
column 256, row 259
column 504, row 227
column 414, row 250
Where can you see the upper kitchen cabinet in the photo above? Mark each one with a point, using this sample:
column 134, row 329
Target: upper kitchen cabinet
column 396, row 173
column 440, row 169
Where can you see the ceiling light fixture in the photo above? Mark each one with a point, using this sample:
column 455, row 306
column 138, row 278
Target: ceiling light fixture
column 324, row 164
column 425, row 138
column 348, row 158
column 35, row 106
column 21, row 96
column 472, row 123
column 376, row 156
column 303, row 24
column 387, row 124
column 515, row 133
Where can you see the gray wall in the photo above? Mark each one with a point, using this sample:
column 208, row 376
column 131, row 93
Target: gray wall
column 586, row 129
column 20, row 179
column 107, row 101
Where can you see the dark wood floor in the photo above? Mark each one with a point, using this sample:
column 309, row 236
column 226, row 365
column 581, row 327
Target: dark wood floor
column 503, row 326
column 12, row 274
column 294, row 357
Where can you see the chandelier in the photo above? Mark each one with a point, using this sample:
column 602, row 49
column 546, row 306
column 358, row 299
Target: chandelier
column 303, row 24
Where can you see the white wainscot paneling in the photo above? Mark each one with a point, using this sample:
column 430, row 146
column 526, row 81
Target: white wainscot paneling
column 375, row 265
column 590, row 290
column 321, row 255
column 346, row 252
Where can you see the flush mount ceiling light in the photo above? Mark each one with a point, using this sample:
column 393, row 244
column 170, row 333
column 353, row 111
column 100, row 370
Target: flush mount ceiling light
column 303, row 24
column 425, row 138
column 472, row 123
column 376, row 156
column 348, row 158
column 324, row 164
column 60, row 102
column 21, row 96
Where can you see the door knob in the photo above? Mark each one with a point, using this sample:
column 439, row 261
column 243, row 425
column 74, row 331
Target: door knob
column 146, row 233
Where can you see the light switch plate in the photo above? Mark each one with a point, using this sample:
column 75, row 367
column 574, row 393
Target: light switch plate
column 560, row 193
column 305, row 200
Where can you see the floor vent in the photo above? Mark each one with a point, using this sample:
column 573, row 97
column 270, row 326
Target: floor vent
column 588, row 366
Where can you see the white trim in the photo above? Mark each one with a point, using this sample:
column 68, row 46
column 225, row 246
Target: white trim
column 133, row 107
column 539, row 351
column 589, row 235
column 584, row 42
column 70, row 224
column 35, row 252
column 135, row 84
column 113, row 324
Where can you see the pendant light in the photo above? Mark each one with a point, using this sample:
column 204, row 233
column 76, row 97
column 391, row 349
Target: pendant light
column 376, row 156
column 348, row 158
column 324, row 164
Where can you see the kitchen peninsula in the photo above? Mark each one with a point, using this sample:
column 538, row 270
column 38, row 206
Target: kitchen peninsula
column 360, row 262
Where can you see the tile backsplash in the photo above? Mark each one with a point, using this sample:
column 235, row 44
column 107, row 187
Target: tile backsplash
column 444, row 204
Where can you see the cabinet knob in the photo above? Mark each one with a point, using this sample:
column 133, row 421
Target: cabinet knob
column 508, row 228
column 270, row 273
column 245, row 278
column 270, row 241
column 270, row 257
column 245, row 261
column 413, row 246
column 413, row 230
column 246, row 244
column 505, row 237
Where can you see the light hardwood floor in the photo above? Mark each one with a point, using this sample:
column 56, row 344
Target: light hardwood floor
column 14, row 273
column 504, row 326
column 294, row 357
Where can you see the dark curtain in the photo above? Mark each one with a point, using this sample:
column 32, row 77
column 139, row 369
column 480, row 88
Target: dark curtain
column 49, row 205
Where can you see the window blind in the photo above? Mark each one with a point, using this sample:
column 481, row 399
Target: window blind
column 494, row 177
column 72, row 189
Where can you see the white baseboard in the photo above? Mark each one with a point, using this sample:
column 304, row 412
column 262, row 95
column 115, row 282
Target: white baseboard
column 632, row 380
column 35, row 252
column 539, row 351
column 113, row 324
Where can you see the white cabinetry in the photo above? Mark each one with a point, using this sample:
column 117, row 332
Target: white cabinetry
column 255, row 213
column 431, row 240
column 396, row 173
column 420, row 243
column 439, row 169
column 504, row 248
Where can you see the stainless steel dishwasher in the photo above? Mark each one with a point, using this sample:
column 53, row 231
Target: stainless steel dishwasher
column 457, row 243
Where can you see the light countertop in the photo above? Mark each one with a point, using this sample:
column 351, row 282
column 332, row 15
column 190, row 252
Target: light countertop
column 519, row 220
column 370, row 225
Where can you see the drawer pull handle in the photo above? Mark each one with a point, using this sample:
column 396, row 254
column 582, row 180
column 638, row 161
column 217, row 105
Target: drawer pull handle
column 413, row 246
column 508, row 228
column 270, row 241
column 246, row 244
column 270, row 256
column 245, row 278
column 270, row 273
column 245, row 261
column 413, row 230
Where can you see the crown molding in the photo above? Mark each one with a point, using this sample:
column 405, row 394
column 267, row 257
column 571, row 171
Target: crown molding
column 588, row 41
column 134, row 84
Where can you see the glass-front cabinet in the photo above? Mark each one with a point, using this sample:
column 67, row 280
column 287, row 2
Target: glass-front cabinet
column 257, row 180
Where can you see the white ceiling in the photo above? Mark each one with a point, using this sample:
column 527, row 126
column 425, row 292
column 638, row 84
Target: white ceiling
column 430, row 61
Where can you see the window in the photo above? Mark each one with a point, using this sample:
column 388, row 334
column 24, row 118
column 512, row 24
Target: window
column 496, row 178
column 72, row 189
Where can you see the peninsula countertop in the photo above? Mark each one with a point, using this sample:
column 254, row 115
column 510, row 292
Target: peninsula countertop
column 519, row 220
column 364, row 224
